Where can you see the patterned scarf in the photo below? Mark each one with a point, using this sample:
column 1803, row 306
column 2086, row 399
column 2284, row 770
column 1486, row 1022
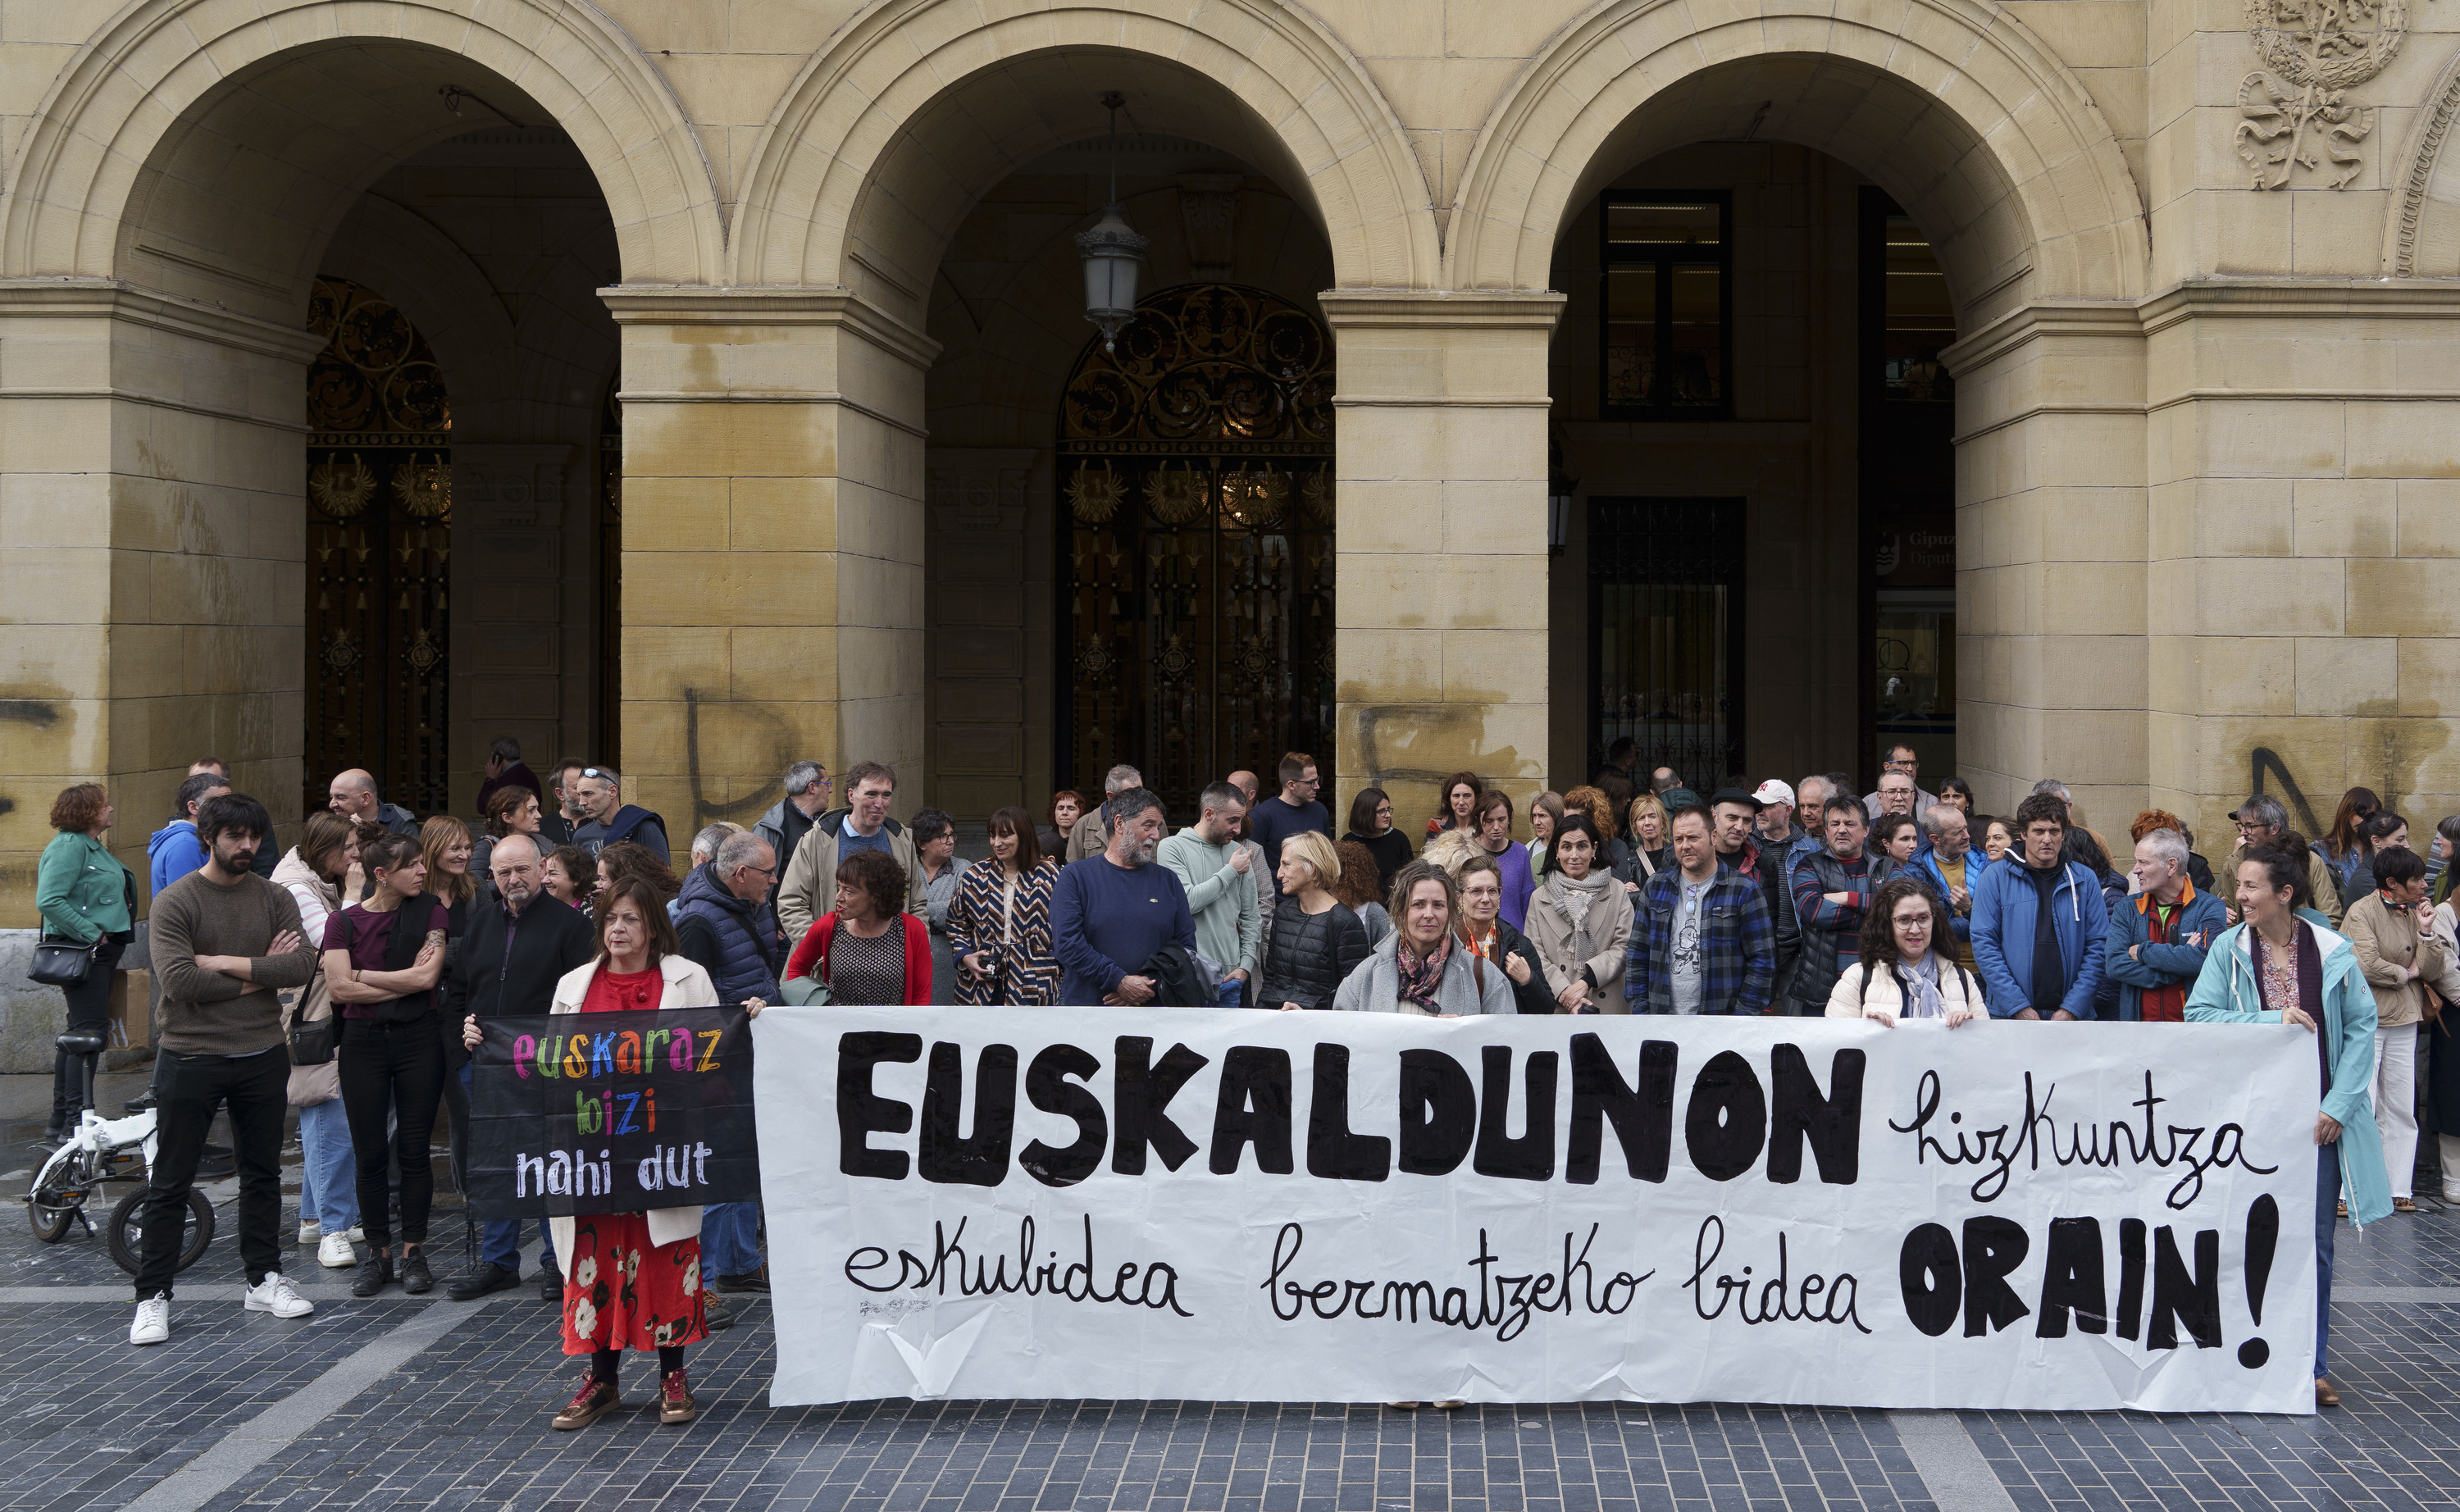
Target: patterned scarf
column 1921, row 984
column 1422, row 979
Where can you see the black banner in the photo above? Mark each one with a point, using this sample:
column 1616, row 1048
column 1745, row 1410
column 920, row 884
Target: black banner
column 611, row 1113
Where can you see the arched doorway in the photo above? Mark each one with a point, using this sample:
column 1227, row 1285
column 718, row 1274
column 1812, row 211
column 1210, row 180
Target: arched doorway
column 379, row 539
column 1196, row 632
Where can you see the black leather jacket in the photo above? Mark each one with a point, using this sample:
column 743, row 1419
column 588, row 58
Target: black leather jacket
column 1308, row 955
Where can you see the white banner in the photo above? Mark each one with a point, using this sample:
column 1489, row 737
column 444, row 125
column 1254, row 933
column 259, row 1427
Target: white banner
column 1237, row 1206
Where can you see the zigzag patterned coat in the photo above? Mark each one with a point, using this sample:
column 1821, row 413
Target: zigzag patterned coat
column 1025, row 973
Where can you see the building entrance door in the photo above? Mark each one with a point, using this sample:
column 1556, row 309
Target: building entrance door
column 379, row 549
column 1196, row 556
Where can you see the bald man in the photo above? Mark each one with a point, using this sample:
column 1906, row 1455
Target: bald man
column 353, row 796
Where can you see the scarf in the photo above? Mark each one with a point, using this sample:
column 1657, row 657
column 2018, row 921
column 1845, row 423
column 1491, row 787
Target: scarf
column 1421, row 980
column 1575, row 900
column 1921, row 984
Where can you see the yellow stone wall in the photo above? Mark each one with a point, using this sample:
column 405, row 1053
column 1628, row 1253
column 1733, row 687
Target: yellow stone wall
column 2205, row 428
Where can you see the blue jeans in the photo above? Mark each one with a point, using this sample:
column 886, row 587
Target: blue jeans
column 2327, row 1198
column 328, row 1190
column 730, row 1240
column 1234, row 992
column 500, row 1238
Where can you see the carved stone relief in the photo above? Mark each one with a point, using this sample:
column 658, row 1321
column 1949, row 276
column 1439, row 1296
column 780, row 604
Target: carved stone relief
column 2295, row 112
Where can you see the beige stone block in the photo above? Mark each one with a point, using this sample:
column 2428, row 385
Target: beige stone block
column 2396, row 596
column 1389, row 665
column 2269, row 596
column 2348, row 675
column 1495, row 667
column 2429, row 677
column 1441, row 593
column 762, row 661
column 1375, row 518
column 2429, row 518
column 2085, row 598
column 2404, row 439
column 2345, row 518
column 675, row 514
column 719, row 440
column 783, row 514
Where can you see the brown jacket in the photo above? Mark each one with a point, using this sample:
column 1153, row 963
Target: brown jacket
column 2387, row 945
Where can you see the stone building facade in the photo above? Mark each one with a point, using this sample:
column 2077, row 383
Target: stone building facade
column 2065, row 385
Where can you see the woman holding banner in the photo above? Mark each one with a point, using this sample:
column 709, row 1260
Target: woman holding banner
column 1901, row 976
column 2285, row 966
column 632, row 1280
column 1423, row 966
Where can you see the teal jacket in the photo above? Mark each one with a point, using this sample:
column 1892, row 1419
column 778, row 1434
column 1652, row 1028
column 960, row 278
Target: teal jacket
column 2227, row 992
column 81, row 889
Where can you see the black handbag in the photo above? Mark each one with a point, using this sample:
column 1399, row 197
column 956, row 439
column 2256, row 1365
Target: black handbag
column 313, row 1044
column 62, row 962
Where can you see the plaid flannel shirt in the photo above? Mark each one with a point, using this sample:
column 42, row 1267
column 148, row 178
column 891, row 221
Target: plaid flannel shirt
column 1737, row 946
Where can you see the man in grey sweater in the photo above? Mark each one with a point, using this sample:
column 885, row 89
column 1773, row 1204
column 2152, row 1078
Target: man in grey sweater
column 1213, row 865
column 224, row 941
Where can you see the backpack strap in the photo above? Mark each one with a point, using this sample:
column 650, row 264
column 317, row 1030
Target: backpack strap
column 1864, row 994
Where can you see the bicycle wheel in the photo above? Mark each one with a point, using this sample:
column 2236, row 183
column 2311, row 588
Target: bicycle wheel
column 128, row 1234
column 50, row 1223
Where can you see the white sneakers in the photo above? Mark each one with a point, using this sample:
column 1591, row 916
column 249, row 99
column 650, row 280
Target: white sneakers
column 309, row 1233
column 153, row 1325
column 274, row 1294
column 334, row 1253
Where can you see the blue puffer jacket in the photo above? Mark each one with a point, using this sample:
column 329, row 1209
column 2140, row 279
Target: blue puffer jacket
column 2003, row 902
column 2176, row 963
column 735, row 941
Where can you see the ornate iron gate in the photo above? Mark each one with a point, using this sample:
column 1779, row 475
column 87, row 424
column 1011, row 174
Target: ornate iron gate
column 1666, row 614
column 379, row 543
column 1196, row 470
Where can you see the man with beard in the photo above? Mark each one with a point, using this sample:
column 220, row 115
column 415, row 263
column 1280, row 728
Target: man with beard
column 1116, row 907
column 1761, row 863
column 225, row 942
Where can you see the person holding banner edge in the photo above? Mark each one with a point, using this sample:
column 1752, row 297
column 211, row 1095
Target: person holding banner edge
column 1900, row 975
column 2279, row 967
column 632, row 1280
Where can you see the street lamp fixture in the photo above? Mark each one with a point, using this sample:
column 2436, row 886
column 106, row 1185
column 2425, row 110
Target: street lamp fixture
column 1114, row 251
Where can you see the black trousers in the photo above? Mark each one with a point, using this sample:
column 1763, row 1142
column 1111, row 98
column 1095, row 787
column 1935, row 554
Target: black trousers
column 395, row 1070
column 89, row 1014
column 187, row 1090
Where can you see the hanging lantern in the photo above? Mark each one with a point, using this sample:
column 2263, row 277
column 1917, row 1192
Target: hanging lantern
column 1114, row 252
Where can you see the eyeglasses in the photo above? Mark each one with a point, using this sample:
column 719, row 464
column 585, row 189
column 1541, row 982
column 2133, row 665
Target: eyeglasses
column 763, row 871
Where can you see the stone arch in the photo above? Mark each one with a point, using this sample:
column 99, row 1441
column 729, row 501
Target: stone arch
column 1952, row 105
column 2421, row 230
column 916, row 106
column 208, row 147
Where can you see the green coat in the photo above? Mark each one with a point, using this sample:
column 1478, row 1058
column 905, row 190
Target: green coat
column 82, row 889
column 2227, row 992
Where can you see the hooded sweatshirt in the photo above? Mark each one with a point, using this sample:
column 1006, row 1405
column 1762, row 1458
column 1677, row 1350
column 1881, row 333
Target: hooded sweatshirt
column 171, row 853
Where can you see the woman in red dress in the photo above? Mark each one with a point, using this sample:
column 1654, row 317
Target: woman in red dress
column 632, row 1280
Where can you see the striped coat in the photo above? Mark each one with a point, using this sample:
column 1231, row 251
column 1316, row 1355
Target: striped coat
column 1024, row 975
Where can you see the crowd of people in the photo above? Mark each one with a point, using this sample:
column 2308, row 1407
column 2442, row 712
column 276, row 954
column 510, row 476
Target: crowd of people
column 346, row 976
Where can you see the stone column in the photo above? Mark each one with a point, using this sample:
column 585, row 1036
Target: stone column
column 152, row 463
column 2050, row 554
column 2306, row 548
column 152, row 460
column 772, row 543
column 1440, row 578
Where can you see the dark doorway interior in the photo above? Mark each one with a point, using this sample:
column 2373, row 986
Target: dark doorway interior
column 379, row 549
column 1908, row 494
column 1666, row 605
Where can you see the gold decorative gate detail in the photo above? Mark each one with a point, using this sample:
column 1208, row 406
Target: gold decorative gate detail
column 1195, row 472
column 379, row 543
